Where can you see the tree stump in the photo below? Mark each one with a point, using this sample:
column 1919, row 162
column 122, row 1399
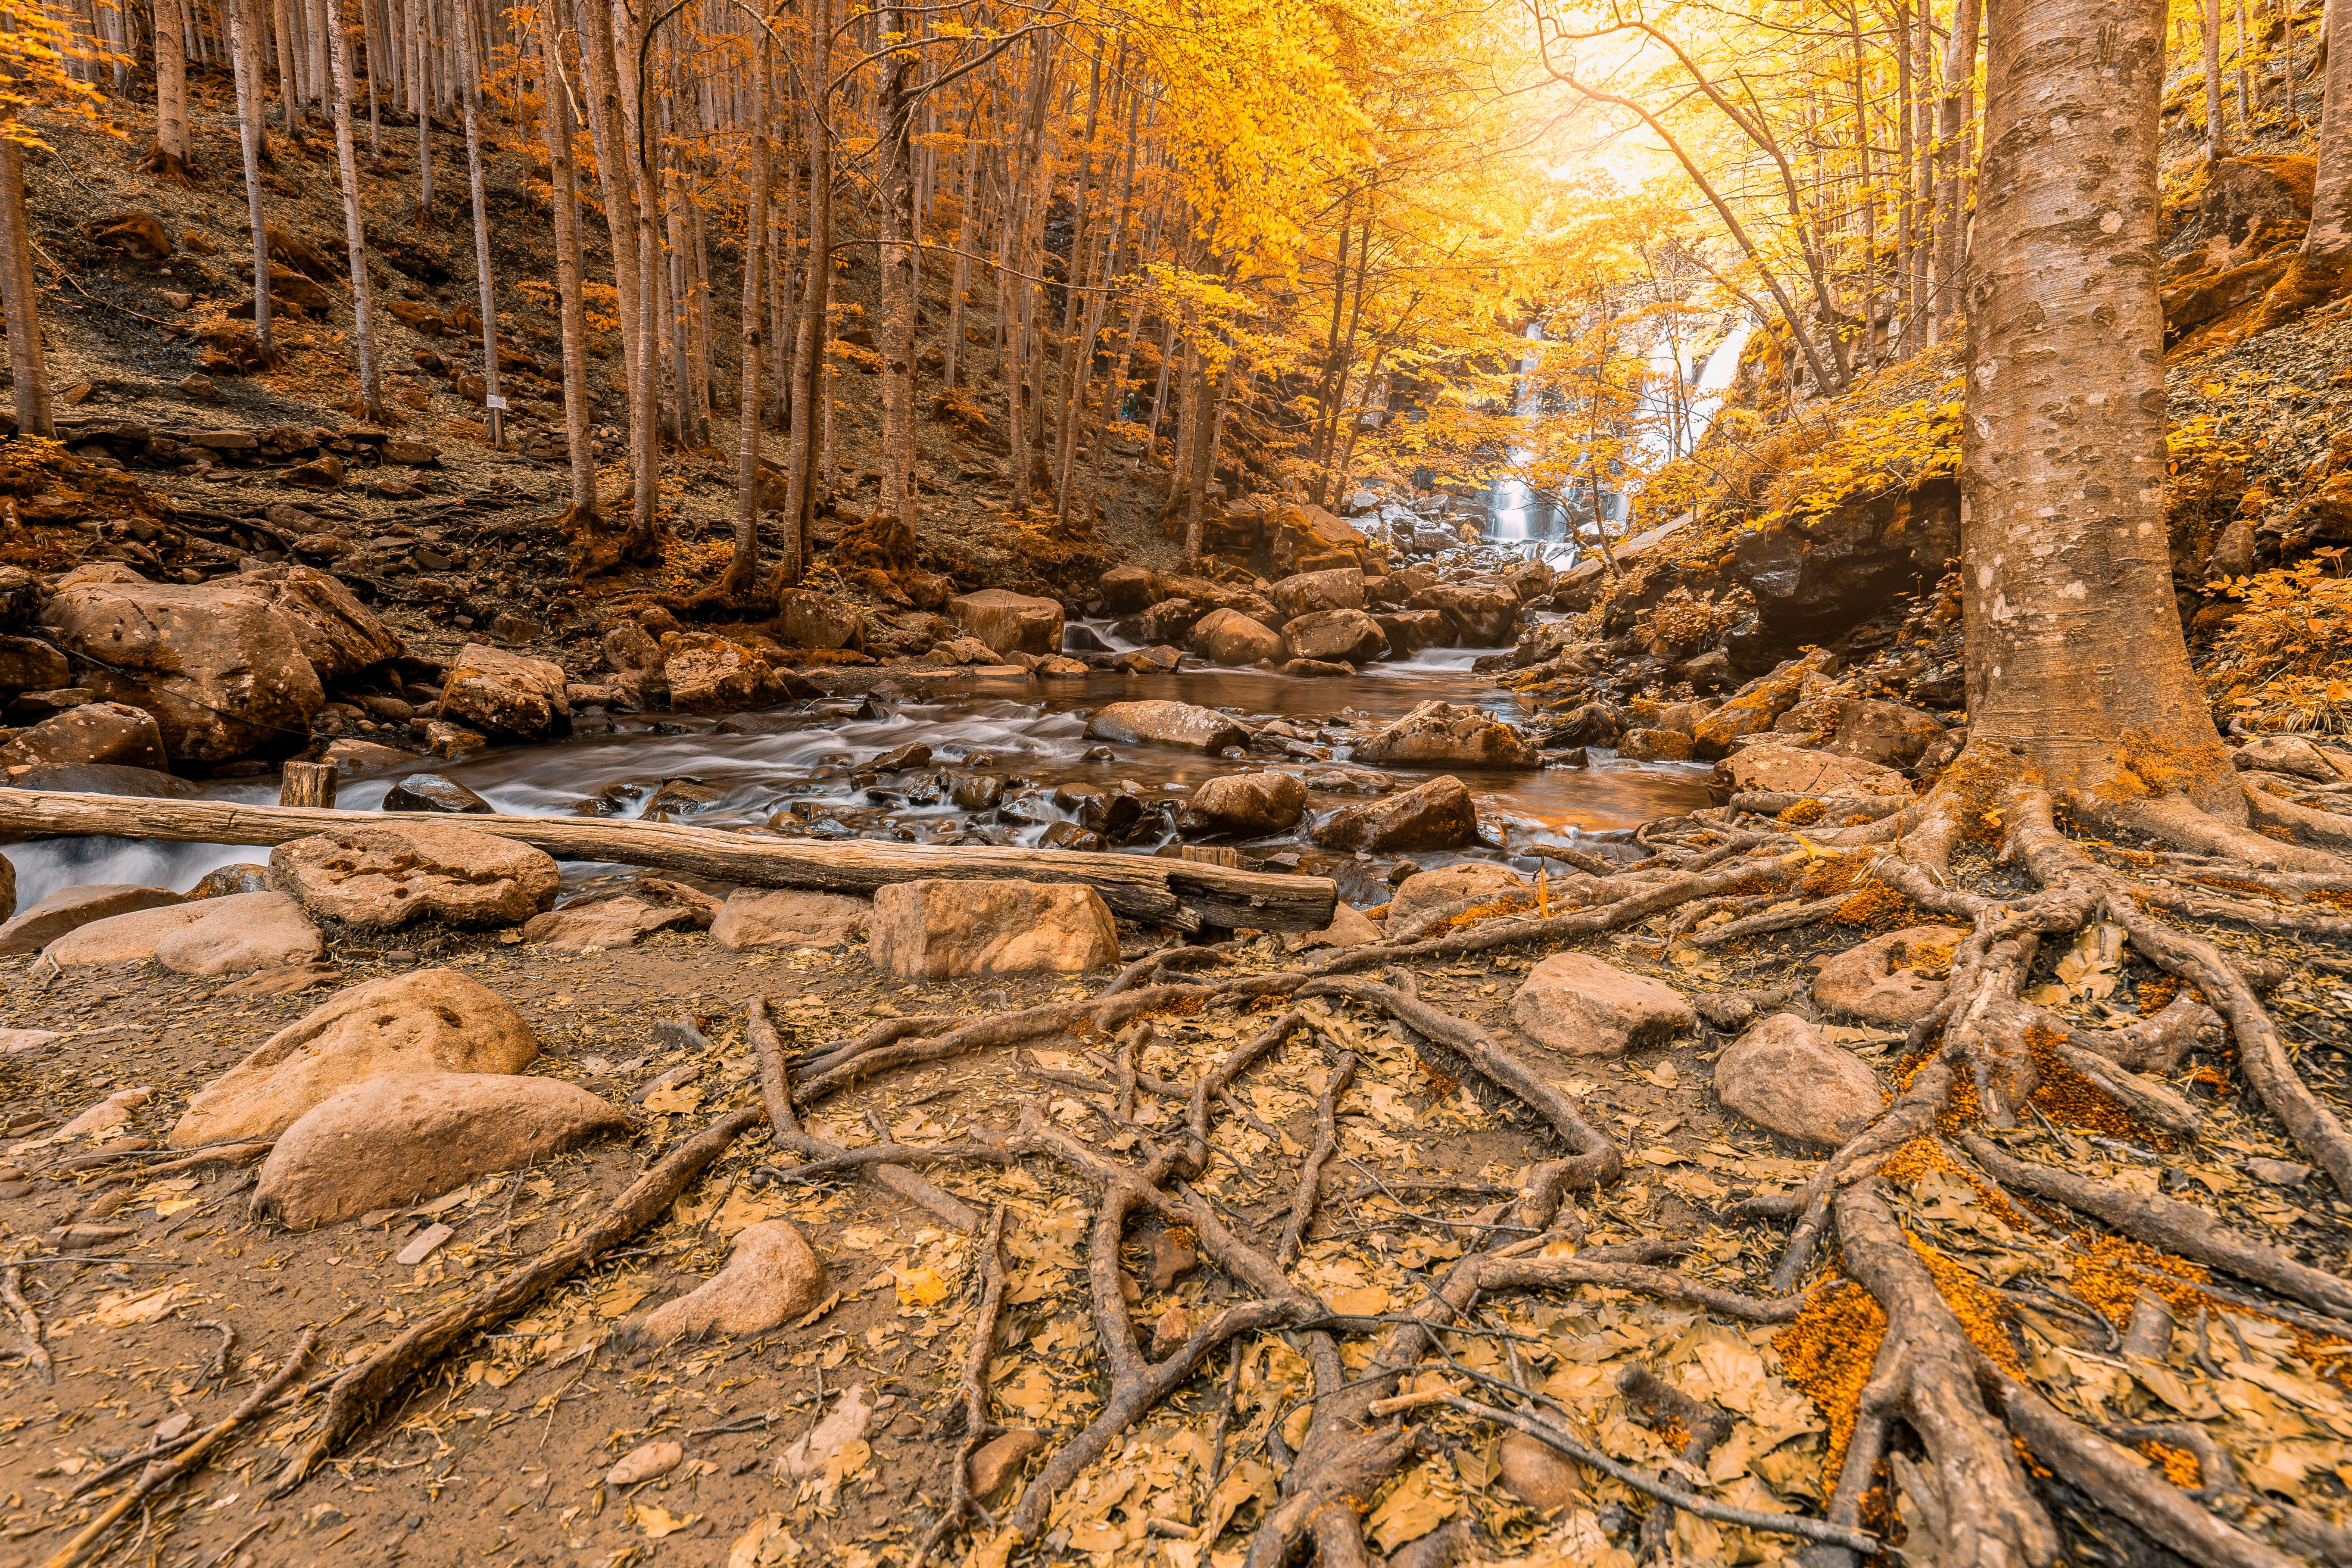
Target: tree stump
column 308, row 783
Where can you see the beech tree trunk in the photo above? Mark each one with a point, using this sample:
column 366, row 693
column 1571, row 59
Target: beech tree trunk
column 2329, row 239
column 557, row 126
column 168, row 159
column 2075, row 660
column 745, row 564
column 2217, row 141
column 804, row 446
column 19, row 301
column 1951, row 156
column 895, row 195
column 355, row 224
column 606, row 129
column 467, row 83
column 2323, row 268
column 245, row 40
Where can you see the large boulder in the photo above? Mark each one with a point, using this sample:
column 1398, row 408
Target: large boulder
column 70, row 908
column 1427, row 890
column 438, row 794
column 506, row 694
column 406, row 1136
column 1756, row 706
column 339, row 635
column 1179, row 725
column 772, row 1277
column 707, row 674
column 391, row 875
column 1337, row 588
column 640, row 671
column 1127, row 589
column 940, row 929
column 221, row 669
column 1882, row 980
column 1891, row 734
column 1798, row 771
column 1411, row 631
column 1009, row 622
column 1782, row 1075
column 1304, row 537
column 425, row 1021
column 1438, row 815
column 1230, row 638
column 1447, row 735
column 105, row 735
column 1335, row 636
column 807, row 619
column 1485, row 614
column 1573, row 1002
column 605, row 924
column 209, row 936
column 756, row 918
column 27, row 664
column 1246, row 803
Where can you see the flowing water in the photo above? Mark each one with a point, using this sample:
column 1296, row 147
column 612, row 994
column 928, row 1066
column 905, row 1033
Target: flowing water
column 803, row 770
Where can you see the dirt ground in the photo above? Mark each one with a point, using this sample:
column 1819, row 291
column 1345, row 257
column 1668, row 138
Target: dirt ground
column 502, row 1455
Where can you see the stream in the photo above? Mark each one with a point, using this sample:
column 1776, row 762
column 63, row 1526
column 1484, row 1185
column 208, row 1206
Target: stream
column 800, row 770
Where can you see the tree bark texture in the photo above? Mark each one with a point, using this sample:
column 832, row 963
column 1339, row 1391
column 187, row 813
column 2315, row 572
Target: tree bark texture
column 2076, row 661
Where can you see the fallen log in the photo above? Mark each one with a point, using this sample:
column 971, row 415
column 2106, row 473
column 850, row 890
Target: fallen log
column 1186, row 894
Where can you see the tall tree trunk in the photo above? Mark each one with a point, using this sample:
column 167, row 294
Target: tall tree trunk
column 804, row 443
column 419, row 11
column 168, row 158
column 744, row 566
column 608, row 132
column 1952, row 154
column 2076, row 666
column 354, row 225
column 967, row 236
column 2217, row 140
column 895, row 196
column 372, row 41
column 2323, row 268
column 644, row 543
column 1905, row 289
column 288, row 98
column 245, row 40
column 2245, row 74
column 469, row 90
column 557, row 127
column 20, row 301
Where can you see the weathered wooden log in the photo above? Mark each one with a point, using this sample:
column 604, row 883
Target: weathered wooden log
column 1186, row 894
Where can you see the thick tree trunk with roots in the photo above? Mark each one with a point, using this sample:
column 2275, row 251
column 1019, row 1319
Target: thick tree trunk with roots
column 2076, row 658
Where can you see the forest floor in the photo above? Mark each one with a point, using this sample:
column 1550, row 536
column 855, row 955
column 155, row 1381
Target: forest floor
column 500, row 1451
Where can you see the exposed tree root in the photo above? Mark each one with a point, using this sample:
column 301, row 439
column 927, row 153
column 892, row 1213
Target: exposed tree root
column 1945, row 1363
column 2122, row 1481
column 357, row 1392
column 1310, row 1170
column 977, row 1426
column 157, row 1477
column 28, row 1323
column 1705, row 1426
column 2177, row 1228
column 776, row 1093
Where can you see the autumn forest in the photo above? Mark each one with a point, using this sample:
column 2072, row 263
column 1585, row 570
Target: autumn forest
column 1229, row 784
